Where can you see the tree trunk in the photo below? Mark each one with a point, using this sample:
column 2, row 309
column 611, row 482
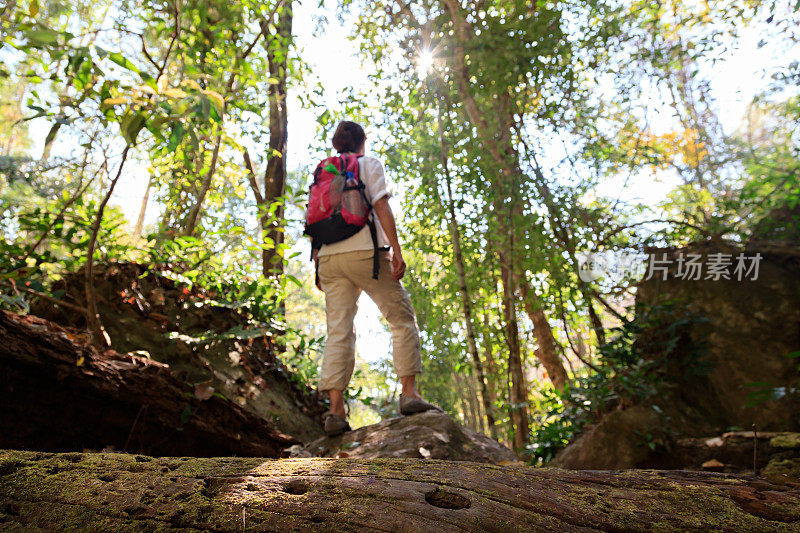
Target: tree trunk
column 194, row 215
column 498, row 142
column 562, row 232
column 118, row 492
column 467, row 405
column 466, row 301
column 597, row 324
column 60, row 394
column 519, row 390
column 491, row 372
column 137, row 231
column 473, row 387
column 546, row 350
column 474, row 405
column 98, row 335
column 272, row 227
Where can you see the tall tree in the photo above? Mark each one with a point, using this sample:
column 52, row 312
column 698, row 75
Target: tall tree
column 275, row 175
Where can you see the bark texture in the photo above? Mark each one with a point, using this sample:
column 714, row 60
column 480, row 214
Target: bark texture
column 58, row 394
column 116, row 492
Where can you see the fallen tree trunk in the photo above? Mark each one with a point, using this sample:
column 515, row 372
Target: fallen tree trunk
column 142, row 306
column 60, row 395
column 117, row 492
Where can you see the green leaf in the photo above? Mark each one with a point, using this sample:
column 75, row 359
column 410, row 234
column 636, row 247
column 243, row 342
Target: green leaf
column 131, row 125
column 149, row 80
column 42, row 37
column 33, row 9
column 216, row 100
column 204, row 107
column 176, row 136
column 123, row 61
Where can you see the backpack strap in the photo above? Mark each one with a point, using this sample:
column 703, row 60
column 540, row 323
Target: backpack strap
column 373, row 230
column 376, row 263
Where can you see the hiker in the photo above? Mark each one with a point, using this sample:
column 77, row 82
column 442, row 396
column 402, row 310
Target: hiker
column 355, row 248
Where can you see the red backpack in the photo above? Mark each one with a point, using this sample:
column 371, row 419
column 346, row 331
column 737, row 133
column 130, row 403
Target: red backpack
column 337, row 205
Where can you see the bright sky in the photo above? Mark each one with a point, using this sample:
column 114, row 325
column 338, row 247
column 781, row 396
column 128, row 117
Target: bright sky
column 736, row 79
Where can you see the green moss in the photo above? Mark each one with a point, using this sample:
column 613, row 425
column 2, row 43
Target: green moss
column 786, row 440
column 213, row 492
column 783, row 467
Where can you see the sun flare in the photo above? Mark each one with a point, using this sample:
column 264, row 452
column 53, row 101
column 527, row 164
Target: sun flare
column 424, row 63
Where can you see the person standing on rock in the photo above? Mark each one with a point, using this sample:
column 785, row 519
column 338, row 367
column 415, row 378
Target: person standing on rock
column 355, row 248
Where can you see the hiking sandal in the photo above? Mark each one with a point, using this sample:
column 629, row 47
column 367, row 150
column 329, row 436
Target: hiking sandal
column 335, row 425
column 411, row 406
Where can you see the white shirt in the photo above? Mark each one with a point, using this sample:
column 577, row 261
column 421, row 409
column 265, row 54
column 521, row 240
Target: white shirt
column 370, row 170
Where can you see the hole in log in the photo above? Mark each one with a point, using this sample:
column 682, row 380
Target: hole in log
column 211, row 487
column 446, row 499
column 10, row 467
column 10, row 509
column 296, row 486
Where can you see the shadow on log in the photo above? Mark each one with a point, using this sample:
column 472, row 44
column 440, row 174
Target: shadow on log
column 117, row 492
column 60, row 395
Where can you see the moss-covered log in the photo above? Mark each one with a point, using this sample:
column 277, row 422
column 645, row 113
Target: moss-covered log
column 117, row 492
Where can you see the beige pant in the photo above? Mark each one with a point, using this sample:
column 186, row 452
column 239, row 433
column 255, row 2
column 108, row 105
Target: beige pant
column 343, row 276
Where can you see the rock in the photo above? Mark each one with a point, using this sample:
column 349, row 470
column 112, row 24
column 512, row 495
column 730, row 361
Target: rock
column 746, row 339
column 751, row 328
column 118, row 492
column 616, row 441
column 59, row 394
column 428, row 435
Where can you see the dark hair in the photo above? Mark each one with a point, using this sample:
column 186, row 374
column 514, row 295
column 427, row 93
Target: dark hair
column 349, row 137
